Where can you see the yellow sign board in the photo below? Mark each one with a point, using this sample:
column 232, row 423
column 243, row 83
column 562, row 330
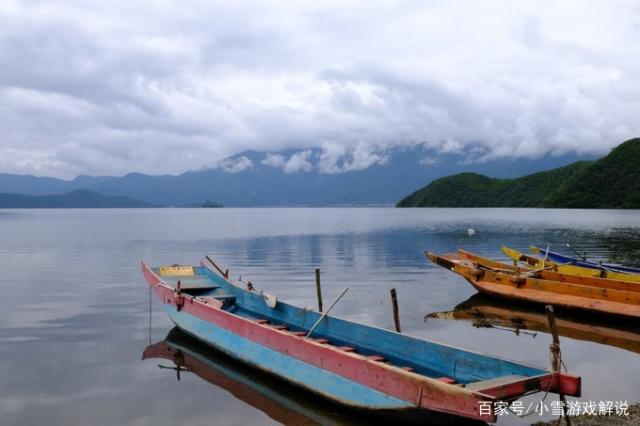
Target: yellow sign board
column 176, row 270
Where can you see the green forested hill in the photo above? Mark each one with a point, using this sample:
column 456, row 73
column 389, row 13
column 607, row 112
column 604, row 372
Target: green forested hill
column 611, row 182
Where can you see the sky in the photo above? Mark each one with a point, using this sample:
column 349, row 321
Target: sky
column 108, row 88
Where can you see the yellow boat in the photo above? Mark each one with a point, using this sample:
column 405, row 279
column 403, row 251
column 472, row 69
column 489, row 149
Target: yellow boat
column 537, row 263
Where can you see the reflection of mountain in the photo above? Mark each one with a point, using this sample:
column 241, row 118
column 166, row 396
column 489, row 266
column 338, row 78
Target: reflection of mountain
column 288, row 178
column 623, row 245
column 484, row 311
column 281, row 401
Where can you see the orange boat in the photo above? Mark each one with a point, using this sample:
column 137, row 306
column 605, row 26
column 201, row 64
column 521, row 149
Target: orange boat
column 588, row 293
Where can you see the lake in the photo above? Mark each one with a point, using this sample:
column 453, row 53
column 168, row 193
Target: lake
column 77, row 316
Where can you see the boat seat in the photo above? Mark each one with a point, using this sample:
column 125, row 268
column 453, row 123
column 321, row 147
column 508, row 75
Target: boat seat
column 223, row 297
column 196, row 282
column 346, row 349
column 280, row 327
column 298, row 333
column 407, row 368
column 491, row 383
column 447, row 380
column 376, row 358
column 321, row 340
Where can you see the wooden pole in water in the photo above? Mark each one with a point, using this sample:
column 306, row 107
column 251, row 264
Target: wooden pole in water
column 319, row 289
column 396, row 316
column 555, row 355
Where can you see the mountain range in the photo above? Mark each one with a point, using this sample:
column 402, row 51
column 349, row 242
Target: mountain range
column 79, row 198
column 610, row 182
column 289, row 178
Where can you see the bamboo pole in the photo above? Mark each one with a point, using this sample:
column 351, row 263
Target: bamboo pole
column 328, row 310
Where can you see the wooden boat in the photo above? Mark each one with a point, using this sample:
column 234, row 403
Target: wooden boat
column 562, row 259
column 539, row 263
column 593, row 294
column 485, row 312
column 356, row 365
column 548, row 273
column 279, row 401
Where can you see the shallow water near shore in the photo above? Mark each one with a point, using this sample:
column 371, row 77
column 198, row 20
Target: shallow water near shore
column 76, row 314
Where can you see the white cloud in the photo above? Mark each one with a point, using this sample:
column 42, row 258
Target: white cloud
column 235, row 165
column 92, row 88
column 298, row 162
column 336, row 158
column 274, row 160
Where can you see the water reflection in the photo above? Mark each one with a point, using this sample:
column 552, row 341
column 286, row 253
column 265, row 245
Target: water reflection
column 526, row 319
column 73, row 297
column 279, row 400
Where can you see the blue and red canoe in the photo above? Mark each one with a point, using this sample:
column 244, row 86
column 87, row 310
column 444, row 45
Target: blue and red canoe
column 568, row 260
column 356, row 365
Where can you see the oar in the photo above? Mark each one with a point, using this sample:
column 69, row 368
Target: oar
column 324, row 314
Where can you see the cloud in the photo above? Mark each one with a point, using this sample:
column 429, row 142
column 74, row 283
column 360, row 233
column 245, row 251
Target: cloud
column 336, row 158
column 235, row 165
column 274, row 160
column 89, row 88
column 298, row 162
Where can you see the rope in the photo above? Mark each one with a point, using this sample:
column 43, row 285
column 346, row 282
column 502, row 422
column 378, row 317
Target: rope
column 553, row 347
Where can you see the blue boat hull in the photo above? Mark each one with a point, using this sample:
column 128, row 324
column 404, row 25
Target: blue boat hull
column 312, row 378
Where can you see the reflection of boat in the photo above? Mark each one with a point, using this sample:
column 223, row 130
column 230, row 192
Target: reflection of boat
column 593, row 294
column 562, row 259
column 283, row 403
column 356, row 365
column 565, row 268
column 483, row 311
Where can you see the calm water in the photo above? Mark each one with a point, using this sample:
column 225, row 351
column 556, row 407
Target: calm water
column 75, row 312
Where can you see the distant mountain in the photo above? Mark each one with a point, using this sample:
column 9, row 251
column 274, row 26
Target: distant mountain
column 290, row 178
column 75, row 199
column 611, row 182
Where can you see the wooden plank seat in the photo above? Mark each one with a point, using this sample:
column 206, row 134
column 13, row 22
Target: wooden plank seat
column 346, row 348
column 224, row 297
column 195, row 282
column 377, row 358
column 280, row 327
column 321, row 340
column 448, row 380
